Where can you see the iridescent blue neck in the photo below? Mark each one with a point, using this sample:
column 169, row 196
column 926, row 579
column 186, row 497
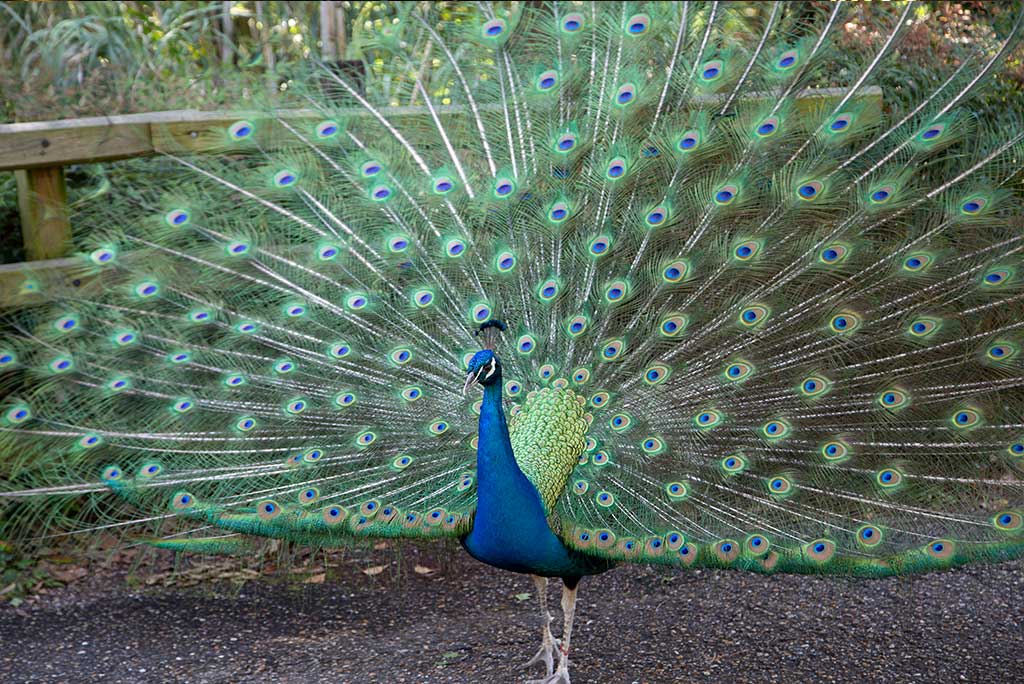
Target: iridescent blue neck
column 495, row 462
column 510, row 528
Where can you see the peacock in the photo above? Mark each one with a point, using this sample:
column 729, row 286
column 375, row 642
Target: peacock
column 727, row 307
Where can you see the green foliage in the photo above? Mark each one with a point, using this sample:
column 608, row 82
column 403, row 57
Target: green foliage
column 91, row 58
column 71, row 59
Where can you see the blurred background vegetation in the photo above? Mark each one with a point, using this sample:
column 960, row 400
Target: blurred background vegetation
column 76, row 59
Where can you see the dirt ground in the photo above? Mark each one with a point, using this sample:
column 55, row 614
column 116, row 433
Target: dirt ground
column 459, row 621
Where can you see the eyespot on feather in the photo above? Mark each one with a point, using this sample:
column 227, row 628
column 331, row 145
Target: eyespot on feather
column 726, row 195
column 493, row 29
column 738, row 371
column 809, row 191
column 869, row 536
column 776, row 429
column 673, row 325
column 787, row 61
column 835, row 451
column 841, row 123
column 675, row 271
column 757, row 545
column 689, row 141
column 547, row 81
column 707, row 419
column 893, row 398
column 620, row 422
column 182, row 501
column 923, row 327
column 820, row 550
column 844, row 322
column 833, row 254
column 779, row 486
column 559, row 212
column 1008, row 521
column 727, row 550
column 572, row 23
column 504, row 187
column 625, row 95
column 941, row 549
column 712, row 71
column 612, row 349
column 767, row 128
column 889, row 478
column 754, row 315
column 327, row 129
column 332, row 515
column 637, row 25
column 733, row 464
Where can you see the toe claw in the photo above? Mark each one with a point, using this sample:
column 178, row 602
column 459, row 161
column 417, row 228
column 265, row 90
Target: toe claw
column 541, row 657
column 545, row 654
column 556, row 678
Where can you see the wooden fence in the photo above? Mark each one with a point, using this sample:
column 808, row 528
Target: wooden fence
column 37, row 152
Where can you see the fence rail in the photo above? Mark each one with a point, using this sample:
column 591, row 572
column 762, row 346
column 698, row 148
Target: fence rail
column 38, row 151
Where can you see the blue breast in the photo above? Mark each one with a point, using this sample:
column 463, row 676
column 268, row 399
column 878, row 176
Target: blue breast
column 510, row 529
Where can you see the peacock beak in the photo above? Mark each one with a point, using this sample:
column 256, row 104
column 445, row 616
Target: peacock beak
column 472, row 379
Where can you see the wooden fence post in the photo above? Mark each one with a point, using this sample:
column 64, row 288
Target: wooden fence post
column 42, row 203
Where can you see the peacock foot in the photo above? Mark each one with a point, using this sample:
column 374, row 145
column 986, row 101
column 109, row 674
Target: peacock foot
column 561, row 676
column 545, row 654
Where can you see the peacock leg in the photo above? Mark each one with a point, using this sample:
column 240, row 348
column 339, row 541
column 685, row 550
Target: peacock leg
column 561, row 675
column 548, row 643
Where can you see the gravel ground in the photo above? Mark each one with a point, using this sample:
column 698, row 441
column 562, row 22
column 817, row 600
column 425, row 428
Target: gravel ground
column 465, row 622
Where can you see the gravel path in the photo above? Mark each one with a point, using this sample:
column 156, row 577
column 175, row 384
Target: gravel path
column 466, row 622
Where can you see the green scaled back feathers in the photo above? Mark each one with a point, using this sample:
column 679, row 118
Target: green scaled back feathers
column 547, row 437
column 768, row 326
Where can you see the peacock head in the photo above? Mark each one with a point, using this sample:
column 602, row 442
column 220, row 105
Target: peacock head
column 484, row 369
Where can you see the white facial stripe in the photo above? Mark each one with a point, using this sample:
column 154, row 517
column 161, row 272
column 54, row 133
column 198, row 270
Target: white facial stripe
column 494, row 367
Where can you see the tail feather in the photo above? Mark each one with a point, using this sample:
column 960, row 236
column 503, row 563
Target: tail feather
column 793, row 312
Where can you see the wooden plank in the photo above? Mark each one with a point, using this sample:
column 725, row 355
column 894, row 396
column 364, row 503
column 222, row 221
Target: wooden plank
column 71, row 141
column 207, row 132
column 26, row 284
column 42, row 203
column 97, row 139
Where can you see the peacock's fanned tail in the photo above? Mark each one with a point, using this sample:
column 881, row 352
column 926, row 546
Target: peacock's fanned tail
column 795, row 315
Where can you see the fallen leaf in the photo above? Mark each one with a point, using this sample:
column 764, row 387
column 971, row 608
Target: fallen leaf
column 375, row 570
column 424, row 570
column 316, row 579
column 61, row 560
column 380, row 546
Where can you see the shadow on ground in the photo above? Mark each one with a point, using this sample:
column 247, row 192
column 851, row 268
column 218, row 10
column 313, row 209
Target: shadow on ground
column 464, row 622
